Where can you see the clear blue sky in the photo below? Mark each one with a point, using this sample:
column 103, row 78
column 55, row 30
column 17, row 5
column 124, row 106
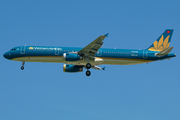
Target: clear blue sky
column 44, row 92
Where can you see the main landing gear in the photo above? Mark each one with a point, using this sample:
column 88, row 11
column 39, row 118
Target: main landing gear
column 22, row 67
column 88, row 66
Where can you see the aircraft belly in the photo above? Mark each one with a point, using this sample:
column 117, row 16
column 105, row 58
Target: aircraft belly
column 59, row 59
column 122, row 62
column 108, row 61
column 55, row 59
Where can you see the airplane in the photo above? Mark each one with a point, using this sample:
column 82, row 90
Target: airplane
column 76, row 58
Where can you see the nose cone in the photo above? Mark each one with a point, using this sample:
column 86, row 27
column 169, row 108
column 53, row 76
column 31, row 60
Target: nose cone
column 6, row 55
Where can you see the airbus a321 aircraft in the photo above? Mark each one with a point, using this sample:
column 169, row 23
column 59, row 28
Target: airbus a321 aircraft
column 76, row 59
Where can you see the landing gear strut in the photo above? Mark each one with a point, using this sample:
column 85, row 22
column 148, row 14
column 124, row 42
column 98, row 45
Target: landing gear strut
column 22, row 67
column 88, row 66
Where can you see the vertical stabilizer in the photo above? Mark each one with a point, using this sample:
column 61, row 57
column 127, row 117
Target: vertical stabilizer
column 162, row 42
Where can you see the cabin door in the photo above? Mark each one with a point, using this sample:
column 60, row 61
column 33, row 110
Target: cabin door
column 56, row 51
column 145, row 54
column 22, row 50
column 99, row 53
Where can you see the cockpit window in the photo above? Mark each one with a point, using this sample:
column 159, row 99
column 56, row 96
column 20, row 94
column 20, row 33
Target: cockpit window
column 13, row 49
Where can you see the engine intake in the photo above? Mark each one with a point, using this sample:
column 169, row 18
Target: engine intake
column 72, row 68
column 72, row 57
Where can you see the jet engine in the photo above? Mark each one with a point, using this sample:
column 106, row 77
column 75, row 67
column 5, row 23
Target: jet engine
column 72, row 68
column 72, row 57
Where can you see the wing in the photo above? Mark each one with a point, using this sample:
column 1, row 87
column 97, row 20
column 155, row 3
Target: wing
column 90, row 50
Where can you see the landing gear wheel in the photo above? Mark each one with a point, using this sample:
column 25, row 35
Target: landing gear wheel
column 88, row 73
column 88, row 65
column 22, row 67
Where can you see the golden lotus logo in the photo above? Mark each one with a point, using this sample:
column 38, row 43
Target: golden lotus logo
column 30, row 48
column 161, row 45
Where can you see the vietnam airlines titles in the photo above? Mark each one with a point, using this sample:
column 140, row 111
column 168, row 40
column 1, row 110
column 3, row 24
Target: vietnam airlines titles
column 76, row 59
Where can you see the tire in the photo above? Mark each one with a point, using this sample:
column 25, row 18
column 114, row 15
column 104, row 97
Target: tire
column 22, row 67
column 88, row 73
column 88, row 65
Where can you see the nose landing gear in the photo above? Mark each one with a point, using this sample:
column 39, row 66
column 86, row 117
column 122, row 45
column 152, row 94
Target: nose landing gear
column 22, row 67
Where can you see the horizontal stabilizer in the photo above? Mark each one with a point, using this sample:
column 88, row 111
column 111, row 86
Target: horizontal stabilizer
column 164, row 52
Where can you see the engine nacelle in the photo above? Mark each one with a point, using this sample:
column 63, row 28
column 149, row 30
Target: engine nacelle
column 72, row 68
column 72, row 57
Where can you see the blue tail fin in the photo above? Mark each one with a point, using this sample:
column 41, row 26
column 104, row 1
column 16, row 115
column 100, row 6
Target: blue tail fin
column 162, row 42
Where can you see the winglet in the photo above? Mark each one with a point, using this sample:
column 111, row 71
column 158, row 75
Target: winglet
column 103, row 68
column 107, row 34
